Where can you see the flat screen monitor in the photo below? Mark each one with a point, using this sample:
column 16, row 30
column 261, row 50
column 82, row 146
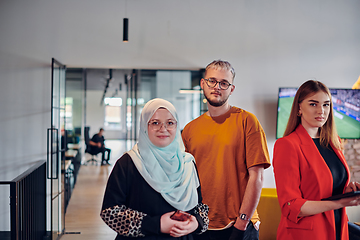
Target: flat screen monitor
column 346, row 103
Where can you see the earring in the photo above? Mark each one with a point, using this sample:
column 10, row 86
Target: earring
column 299, row 114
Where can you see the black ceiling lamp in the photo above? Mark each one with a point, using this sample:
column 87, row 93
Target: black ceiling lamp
column 125, row 25
column 106, row 86
column 126, row 30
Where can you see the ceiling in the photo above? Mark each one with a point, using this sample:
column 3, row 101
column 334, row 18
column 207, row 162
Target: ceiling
column 169, row 34
column 264, row 40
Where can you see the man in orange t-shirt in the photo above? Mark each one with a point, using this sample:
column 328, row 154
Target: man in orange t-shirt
column 230, row 150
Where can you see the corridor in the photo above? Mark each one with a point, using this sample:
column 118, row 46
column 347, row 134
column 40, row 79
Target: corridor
column 82, row 219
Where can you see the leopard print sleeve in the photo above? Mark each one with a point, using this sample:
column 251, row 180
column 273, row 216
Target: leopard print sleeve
column 123, row 220
column 203, row 210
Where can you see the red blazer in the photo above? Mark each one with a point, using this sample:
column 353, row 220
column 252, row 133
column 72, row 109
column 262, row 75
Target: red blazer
column 302, row 174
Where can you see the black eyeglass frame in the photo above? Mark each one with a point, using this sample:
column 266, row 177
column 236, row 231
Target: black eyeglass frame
column 217, row 82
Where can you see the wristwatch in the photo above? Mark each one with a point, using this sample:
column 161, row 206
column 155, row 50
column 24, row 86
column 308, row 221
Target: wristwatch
column 244, row 217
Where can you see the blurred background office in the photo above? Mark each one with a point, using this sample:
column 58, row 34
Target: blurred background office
column 72, row 53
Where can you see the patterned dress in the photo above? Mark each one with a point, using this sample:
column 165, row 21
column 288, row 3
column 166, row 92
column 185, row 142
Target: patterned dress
column 133, row 209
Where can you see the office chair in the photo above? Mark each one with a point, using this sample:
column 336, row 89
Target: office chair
column 354, row 231
column 89, row 149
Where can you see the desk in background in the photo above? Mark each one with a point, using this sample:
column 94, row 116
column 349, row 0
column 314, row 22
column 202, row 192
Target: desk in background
column 74, row 146
column 71, row 154
column 68, row 172
column 70, row 169
column 74, row 154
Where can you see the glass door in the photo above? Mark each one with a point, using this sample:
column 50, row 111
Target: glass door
column 55, row 133
column 131, row 106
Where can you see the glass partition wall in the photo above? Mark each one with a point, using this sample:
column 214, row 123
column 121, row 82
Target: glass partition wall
column 74, row 111
column 180, row 87
column 55, row 149
column 113, row 98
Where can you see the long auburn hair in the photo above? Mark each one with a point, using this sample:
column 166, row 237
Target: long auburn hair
column 328, row 133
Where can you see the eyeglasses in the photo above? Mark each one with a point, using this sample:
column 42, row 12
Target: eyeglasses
column 156, row 125
column 224, row 85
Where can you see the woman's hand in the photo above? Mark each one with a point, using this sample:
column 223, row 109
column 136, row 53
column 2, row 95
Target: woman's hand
column 315, row 207
column 353, row 186
column 166, row 223
column 350, row 201
column 182, row 228
column 177, row 228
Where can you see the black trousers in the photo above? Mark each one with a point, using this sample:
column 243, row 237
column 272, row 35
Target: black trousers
column 105, row 155
column 250, row 234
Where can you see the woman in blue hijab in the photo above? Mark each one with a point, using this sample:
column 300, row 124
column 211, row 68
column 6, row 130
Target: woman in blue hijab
column 153, row 180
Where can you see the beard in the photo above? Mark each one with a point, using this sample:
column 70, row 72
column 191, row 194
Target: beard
column 216, row 103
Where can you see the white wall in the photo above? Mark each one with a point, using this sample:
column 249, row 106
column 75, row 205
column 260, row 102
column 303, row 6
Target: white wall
column 168, row 84
column 95, row 113
column 75, row 90
column 24, row 117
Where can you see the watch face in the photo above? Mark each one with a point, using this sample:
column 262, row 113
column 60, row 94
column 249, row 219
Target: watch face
column 243, row 216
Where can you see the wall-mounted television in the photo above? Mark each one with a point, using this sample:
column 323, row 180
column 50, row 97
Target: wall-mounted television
column 346, row 103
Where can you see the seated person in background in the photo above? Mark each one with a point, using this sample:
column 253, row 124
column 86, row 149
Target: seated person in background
column 97, row 145
column 153, row 180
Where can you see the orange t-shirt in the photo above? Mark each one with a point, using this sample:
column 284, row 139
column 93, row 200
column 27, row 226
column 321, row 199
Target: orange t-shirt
column 224, row 148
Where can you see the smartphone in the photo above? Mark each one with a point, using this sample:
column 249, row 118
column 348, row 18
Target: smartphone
column 180, row 216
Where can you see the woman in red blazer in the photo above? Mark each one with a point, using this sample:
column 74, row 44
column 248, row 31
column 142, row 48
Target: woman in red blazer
column 309, row 166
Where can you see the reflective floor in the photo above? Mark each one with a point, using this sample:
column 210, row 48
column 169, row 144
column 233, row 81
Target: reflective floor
column 82, row 219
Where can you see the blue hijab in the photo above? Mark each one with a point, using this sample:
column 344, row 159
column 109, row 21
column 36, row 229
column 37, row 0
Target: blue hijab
column 168, row 170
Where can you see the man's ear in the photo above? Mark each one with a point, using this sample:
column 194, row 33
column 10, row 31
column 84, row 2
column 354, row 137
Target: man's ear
column 232, row 89
column 202, row 83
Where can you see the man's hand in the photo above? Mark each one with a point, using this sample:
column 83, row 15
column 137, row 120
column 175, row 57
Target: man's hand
column 237, row 234
column 240, row 224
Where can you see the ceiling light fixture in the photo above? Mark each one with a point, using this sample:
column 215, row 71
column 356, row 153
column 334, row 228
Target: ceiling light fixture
column 126, row 30
column 191, row 91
